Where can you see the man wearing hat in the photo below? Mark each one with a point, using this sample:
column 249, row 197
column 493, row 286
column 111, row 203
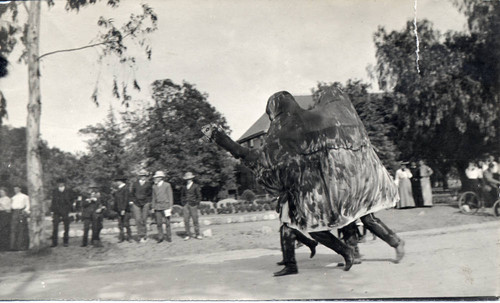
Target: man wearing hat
column 140, row 197
column 190, row 199
column 62, row 202
column 162, row 202
column 122, row 207
column 92, row 215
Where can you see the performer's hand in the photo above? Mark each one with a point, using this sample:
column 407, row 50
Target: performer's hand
column 208, row 131
column 122, row 213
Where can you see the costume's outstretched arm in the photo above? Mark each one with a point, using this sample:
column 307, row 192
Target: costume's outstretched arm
column 215, row 133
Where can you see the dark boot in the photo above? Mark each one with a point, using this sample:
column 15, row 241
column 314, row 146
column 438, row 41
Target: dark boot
column 308, row 242
column 288, row 253
column 379, row 229
column 282, row 262
column 351, row 238
column 121, row 237
column 332, row 242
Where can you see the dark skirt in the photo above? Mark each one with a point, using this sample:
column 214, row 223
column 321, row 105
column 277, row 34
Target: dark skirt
column 5, row 221
column 19, row 232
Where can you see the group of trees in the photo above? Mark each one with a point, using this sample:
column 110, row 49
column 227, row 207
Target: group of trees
column 161, row 135
column 447, row 110
column 111, row 41
column 56, row 163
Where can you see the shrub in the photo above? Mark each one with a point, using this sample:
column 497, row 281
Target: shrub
column 248, row 195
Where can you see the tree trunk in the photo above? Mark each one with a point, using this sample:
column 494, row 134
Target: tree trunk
column 34, row 163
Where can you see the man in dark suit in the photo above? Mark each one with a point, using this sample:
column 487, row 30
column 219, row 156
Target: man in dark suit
column 92, row 216
column 122, row 207
column 62, row 202
column 141, row 198
column 190, row 200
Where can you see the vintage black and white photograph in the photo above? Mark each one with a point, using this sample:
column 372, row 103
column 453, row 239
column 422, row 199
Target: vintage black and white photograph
column 249, row 150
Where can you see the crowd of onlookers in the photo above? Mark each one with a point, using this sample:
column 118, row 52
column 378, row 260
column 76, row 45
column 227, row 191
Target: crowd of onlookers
column 414, row 185
column 14, row 213
column 139, row 199
column 483, row 178
column 142, row 199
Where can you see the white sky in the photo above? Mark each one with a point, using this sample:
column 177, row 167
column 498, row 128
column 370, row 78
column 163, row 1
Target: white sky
column 239, row 52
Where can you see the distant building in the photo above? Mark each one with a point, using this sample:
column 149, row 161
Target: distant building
column 253, row 138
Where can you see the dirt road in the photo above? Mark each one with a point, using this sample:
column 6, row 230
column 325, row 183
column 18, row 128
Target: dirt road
column 443, row 262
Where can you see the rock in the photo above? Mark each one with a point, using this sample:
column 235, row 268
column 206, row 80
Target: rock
column 207, row 233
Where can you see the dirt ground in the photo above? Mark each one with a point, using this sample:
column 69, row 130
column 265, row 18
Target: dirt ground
column 225, row 237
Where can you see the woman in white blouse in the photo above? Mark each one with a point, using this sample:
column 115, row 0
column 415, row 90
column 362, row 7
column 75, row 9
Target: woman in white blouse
column 402, row 180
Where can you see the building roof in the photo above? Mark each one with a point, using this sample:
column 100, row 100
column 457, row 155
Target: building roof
column 262, row 124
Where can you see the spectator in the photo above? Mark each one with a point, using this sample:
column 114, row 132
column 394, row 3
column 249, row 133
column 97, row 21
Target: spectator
column 416, row 188
column 490, row 184
column 425, row 183
column 141, row 198
column 162, row 204
column 5, row 219
column 92, row 215
column 473, row 174
column 62, row 203
column 482, row 165
column 190, row 200
column 491, row 161
column 19, row 236
column 402, row 180
column 122, row 207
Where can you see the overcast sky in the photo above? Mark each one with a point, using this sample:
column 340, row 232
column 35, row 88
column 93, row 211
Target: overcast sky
column 238, row 52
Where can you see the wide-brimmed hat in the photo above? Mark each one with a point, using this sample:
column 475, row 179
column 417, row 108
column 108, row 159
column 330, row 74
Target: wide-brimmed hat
column 120, row 178
column 188, row 175
column 143, row 172
column 404, row 162
column 159, row 174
